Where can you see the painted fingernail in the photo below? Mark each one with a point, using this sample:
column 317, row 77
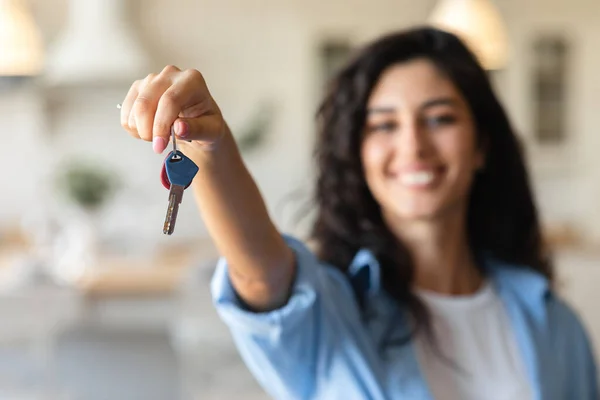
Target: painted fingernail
column 159, row 144
column 182, row 129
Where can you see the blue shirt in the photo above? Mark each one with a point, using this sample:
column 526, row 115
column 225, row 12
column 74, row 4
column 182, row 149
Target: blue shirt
column 322, row 345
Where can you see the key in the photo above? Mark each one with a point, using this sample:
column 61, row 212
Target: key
column 180, row 172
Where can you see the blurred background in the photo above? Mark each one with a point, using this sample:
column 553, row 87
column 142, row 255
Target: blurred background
column 95, row 302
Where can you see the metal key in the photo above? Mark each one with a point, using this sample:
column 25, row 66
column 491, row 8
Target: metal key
column 180, row 171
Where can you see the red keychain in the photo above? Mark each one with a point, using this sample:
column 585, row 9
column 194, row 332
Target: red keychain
column 163, row 176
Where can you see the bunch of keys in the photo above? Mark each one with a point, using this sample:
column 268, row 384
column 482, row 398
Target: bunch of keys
column 177, row 174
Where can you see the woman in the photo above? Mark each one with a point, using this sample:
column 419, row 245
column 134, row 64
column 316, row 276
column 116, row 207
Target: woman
column 429, row 279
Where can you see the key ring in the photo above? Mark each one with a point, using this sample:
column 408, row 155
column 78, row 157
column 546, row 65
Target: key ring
column 175, row 156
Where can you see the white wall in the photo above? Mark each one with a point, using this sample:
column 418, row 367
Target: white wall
column 567, row 181
column 250, row 50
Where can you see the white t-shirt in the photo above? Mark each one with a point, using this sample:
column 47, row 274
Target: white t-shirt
column 474, row 334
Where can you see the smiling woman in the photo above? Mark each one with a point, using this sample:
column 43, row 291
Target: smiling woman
column 429, row 278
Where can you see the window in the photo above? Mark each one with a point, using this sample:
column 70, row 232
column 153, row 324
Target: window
column 550, row 87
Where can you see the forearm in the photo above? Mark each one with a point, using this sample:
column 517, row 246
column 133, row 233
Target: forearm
column 261, row 264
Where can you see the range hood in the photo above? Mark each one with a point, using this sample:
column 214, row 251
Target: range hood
column 97, row 46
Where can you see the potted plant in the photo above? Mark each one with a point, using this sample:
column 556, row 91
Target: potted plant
column 88, row 186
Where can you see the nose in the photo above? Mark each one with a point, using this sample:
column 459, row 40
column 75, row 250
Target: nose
column 412, row 141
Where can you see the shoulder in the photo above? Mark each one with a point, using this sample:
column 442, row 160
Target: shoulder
column 532, row 291
column 571, row 346
column 566, row 323
column 535, row 292
column 553, row 328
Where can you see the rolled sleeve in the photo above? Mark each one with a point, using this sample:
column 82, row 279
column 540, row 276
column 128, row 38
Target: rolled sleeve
column 301, row 301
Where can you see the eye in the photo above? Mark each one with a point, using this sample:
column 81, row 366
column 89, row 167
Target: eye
column 440, row 120
column 382, row 127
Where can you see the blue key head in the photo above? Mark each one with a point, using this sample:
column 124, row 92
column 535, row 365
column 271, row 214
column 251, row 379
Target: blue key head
column 180, row 169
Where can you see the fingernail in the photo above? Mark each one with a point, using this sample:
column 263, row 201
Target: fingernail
column 159, row 144
column 182, row 129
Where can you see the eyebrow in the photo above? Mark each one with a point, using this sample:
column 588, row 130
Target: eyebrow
column 442, row 101
column 449, row 101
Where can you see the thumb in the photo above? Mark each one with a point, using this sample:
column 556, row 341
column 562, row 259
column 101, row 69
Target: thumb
column 206, row 128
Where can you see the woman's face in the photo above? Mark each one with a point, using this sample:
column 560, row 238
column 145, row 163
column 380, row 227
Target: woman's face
column 419, row 151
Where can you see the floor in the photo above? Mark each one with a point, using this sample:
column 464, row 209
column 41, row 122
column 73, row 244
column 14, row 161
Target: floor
column 191, row 359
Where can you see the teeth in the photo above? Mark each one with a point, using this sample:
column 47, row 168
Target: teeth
column 417, row 178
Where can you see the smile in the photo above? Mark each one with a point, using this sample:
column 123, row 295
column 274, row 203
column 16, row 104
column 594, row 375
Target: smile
column 417, row 179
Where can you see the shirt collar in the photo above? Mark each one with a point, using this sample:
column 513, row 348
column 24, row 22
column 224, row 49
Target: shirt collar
column 365, row 272
column 519, row 281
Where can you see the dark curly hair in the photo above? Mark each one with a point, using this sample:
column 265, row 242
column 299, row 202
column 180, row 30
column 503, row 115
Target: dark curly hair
column 502, row 217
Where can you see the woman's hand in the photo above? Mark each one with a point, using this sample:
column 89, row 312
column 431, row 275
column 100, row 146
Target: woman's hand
column 172, row 98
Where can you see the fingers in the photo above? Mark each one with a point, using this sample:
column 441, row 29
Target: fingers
column 189, row 91
column 207, row 128
column 146, row 103
column 155, row 104
column 126, row 122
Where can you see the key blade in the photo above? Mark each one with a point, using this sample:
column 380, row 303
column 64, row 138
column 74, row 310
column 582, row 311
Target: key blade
column 169, row 225
column 175, row 197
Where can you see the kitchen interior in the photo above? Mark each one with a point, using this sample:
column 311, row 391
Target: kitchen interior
column 95, row 302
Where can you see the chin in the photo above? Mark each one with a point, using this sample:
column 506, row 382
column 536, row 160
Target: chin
column 425, row 215
column 418, row 212
column 425, row 210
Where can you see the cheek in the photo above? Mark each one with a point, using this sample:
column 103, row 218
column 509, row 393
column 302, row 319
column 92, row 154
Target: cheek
column 459, row 149
column 373, row 157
